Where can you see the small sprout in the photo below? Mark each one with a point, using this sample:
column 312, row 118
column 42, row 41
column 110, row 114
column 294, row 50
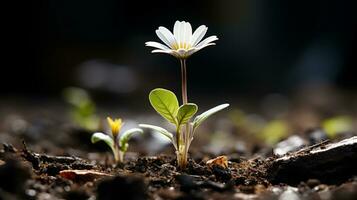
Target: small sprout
column 337, row 125
column 274, row 131
column 116, row 141
column 181, row 43
column 166, row 104
column 83, row 108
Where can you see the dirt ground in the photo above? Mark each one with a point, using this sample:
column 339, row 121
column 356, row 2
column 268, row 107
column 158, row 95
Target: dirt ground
column 45, row 157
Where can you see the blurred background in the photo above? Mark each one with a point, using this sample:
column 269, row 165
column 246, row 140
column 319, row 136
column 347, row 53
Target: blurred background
column 288, row 64
column 264, row 46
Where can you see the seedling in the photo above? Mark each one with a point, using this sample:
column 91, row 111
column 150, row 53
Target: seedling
column 181, row 44
column 83, row 108
column 117, row 143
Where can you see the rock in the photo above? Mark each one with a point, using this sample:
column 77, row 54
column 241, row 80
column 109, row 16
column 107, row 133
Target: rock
column 331, row 163
column 347, row 191
column 312, row 183
column 293, row 143
column 290, row 194
column 317, row 136
column 13, row 177
column 82, row 175
column 187, row 183
column 221, row 161
column 131, row 187
column 221, row 174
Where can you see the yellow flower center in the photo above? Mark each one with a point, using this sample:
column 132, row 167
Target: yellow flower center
column 115, row 125
column 182, row 45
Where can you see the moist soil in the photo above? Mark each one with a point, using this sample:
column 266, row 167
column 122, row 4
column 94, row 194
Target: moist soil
column 45, row 166
column 29, row 175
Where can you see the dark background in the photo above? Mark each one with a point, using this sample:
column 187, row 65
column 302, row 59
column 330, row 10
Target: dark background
column 263, row 47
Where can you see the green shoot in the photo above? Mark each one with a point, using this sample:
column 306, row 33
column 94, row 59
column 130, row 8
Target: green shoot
column 83, row 108
column 166, row 104
column 117, row 142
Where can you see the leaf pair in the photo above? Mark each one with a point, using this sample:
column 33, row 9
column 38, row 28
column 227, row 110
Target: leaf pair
column 166, row 104
column 123, row 139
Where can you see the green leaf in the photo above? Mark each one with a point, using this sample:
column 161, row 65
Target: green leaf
column 125, row 137
column 202, row 117
column 163, row 131
column 185, row 112
column 76, row 96
column 96, row 137
column 165, row 103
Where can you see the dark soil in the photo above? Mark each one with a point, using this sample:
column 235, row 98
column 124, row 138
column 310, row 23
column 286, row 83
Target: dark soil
column 29, row 175
column 57, row 161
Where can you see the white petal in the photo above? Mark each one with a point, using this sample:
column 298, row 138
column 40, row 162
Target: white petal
column 188, row 33
column 171, row 52
column 182, row 32
column 195, row 49
column 198, row 35
column 205, row 45
column 157, row 45
column 177, row 53
column 207, row 40
column 162, row 37
column 161, row 51
column 177, row 30
column 169, row 36
column 191, row 51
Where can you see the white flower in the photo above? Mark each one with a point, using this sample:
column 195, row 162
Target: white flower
column 182, row 43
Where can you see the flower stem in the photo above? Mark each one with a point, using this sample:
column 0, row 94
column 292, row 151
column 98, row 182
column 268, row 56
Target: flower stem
column 185, row 135
column 118, row 154
column 184, row 81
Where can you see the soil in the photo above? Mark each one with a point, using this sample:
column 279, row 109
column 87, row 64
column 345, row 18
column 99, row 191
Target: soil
column 52, row 167
column 29, row 175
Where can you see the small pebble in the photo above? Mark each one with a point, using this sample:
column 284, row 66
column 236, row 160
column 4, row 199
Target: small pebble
column 31, row 192
column 317, row 135
column 312, row 183
column 325, row 194
column 292, row 143
column 289, row 194
column 44, row 196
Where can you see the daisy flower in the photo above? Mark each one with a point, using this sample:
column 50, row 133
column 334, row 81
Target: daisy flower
column 181, row 43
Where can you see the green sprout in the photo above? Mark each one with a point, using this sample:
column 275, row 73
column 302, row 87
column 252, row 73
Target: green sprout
column 182, row 43
column 118, row 144
column 83, row 108
column 337, row 125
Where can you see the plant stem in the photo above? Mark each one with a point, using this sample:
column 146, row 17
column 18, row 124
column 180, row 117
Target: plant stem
column 184, row 81
column 121, row 156
column 118, row 154
column 183, row 149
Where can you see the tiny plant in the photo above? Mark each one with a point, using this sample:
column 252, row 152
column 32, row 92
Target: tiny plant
column 83, row 108
column 117, row 142
column 180, row 44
